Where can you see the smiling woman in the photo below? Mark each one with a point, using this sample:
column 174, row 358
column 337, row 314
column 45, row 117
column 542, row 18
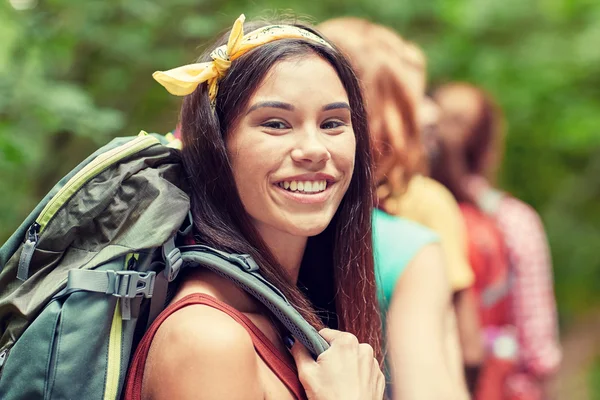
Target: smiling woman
column 276, row 150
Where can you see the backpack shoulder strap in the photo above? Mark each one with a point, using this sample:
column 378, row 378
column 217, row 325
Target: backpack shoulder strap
column 244, row 272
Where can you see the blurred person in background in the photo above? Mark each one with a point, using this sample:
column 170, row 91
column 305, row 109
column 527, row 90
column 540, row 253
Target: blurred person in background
column 518, row 310
column 424, row 194
column 416, row 300
column 431, row 204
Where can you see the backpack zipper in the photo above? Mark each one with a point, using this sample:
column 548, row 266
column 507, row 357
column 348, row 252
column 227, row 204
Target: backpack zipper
column 95, row 167
column 28, row 250
column 3, row 357
column 99, row 164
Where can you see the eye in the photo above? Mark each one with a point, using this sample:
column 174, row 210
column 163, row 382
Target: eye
column 332, row 124
column 275, row 124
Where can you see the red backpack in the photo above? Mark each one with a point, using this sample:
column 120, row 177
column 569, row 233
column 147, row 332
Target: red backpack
column 489, row 259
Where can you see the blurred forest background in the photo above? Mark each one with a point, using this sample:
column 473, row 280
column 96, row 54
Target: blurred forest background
column 74, row 74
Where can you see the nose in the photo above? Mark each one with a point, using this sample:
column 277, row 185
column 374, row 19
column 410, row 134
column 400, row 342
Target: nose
column 310, row 148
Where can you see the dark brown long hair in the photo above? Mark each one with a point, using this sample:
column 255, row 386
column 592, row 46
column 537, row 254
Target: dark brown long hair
column 379, row 56
column 481, row 149
column 346, row 254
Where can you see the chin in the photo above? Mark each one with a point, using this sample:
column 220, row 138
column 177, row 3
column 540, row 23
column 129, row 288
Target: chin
column 305, row 228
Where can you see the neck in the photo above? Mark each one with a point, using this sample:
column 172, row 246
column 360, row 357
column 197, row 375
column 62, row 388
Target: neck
column 287, row 249
column 475, row 185
column 452, row 172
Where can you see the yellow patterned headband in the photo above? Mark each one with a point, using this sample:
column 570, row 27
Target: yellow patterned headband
column 184, row 80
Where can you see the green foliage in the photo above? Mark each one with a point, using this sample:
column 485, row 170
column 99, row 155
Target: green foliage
column 594, row 379
column 75, row 73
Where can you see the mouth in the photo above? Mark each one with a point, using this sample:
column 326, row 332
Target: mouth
column 304, row 187
column 306, row 191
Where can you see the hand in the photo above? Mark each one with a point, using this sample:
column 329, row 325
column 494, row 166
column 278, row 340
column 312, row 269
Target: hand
column 347, row 370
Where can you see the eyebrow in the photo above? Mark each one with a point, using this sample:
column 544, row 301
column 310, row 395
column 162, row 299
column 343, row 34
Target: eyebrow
column 271, row 104
column 289, row 107
column 336, row 106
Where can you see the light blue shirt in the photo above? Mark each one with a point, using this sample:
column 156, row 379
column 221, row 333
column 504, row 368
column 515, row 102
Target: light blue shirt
column 396, row 241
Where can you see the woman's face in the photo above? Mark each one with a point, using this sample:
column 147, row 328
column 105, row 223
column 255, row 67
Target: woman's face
column 460, row 108
column 293, row 148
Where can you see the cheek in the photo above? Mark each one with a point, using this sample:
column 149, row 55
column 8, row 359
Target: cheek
column 344, row 155
column 245, row 165
column 253, row 159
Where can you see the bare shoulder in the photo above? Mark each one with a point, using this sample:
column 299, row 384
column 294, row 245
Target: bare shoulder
column 425, row 278
column 430, row 259
column 202, row 353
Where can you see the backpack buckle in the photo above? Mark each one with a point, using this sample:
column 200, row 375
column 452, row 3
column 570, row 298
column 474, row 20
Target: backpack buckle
column 131, row 284
column 173, row 263
column 249, row 264
column 245, row 261
column 173, row 260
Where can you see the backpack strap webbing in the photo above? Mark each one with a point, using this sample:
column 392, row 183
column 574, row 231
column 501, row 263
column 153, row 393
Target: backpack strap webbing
column 244, row 272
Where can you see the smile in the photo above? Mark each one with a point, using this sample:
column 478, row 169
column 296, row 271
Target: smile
column 305, row 187
column 306, row 191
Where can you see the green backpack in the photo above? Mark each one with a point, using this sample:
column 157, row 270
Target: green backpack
column 89, row 269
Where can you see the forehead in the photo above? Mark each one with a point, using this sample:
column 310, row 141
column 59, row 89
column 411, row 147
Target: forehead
column 301, row 79
column 459, row 100
column 429, row 110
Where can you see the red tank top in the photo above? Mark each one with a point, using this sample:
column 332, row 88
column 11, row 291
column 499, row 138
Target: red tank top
column 284, row 370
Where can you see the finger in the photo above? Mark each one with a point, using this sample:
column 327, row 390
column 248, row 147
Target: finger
column 340, row 338
column 380, row 385
column 301, row 355
column 374, row 373
column 366, row 351
column 329, row 334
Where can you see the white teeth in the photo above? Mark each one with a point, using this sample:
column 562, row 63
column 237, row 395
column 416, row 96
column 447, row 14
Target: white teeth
column 304, row 186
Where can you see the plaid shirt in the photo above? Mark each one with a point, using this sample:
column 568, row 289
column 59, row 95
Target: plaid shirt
column 534, row 305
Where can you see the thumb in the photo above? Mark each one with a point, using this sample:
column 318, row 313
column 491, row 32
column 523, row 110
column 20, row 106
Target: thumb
column 301, row 355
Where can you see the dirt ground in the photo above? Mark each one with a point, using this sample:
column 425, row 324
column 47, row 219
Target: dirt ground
column 581, row 347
